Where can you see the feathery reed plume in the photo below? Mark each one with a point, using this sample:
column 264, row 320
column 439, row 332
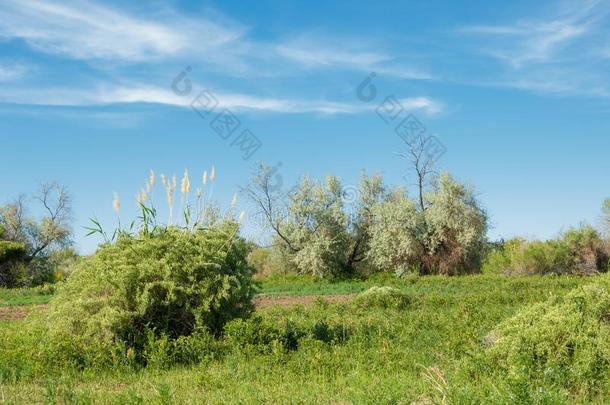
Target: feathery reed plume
column 186, row 183
column 141, row 197
column 241, row 217
column 170, row 197
column 234, row 200
column 213, row 174
column 116, row 204
column 170, row 187
column 151, row 178
column 205, row 178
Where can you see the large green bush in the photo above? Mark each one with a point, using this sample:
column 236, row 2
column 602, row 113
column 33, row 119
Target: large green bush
column 171, row 284
column 562, row 343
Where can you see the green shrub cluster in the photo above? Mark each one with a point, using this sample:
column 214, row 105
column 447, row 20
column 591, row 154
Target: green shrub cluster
column 383, row 297
column 158, row 287
column 563, row 343
column 578, row 251
column 264, row 335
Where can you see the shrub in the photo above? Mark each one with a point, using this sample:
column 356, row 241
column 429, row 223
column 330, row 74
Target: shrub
column 548, row 257
column 578, row 251
column 169, row 283
column 564, row 342
column 264, row 334
column 12, row 269
column 260, row 260
column 383, row 297
column 588, row 249
column 317, row 227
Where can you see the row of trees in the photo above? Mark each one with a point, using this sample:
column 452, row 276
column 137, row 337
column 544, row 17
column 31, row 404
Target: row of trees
column 32, row 249
column 439, row 231
column 443, row 232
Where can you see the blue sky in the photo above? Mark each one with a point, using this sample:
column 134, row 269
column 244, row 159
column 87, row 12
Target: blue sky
column 519, row 94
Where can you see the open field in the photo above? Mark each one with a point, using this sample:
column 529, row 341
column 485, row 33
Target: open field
column 427, row 352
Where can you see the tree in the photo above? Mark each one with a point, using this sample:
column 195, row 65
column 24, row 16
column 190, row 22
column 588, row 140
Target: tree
column 269, row 201
column 313, row 231
column 422, row 163
column 445, row 238
column 27, row 244
column 313, row 234
column 456, row 228
column 52, row 230
column 396, row 243
column 371, row 192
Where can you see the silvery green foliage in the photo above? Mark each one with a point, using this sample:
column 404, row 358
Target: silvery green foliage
column 394, row 243
column 316, row 225
column 445, row 238
column 456, row 226
column 371, row 193
column 326, row 237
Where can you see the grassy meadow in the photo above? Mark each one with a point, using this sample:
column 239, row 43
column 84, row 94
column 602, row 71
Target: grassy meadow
column 426, row 352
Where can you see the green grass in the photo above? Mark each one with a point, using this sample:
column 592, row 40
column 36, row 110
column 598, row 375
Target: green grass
column 425, row 353
column 23, row 296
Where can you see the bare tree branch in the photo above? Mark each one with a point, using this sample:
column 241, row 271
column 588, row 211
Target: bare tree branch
column 422, row 163
column 264, row 195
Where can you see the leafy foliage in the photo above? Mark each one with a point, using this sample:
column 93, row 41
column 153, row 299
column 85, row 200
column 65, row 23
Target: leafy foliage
column 444, row 238
column 319, row 234
column 168, row 283
column 564, row 342
column 315, row 231
column 383, row 297
column 578, row 251
column 395, row 235
column 12, row 271
column 41, row 238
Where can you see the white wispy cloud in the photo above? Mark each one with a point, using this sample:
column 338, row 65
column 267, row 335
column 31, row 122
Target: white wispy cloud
column 91, row 32
column 559, row 54
column 105, row 95
column 530, row 41
column 87, row 30
column 315, row 52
